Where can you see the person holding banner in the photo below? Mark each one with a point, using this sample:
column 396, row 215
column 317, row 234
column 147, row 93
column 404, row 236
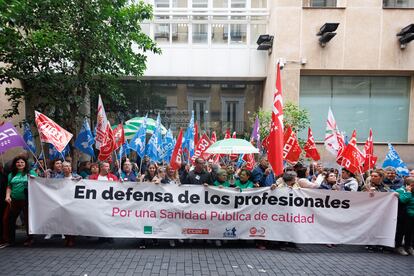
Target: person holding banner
column 375, row 182
column 127, row 174
column 329, row 181
column 407, row 199
column 171, row 176
column 260, row 173
column 349, row 183
column 303, row 173
column 104, row 173
column 391, row 179
column 198, row 176
column 221, row 180
column 244, row 180
column 56, row 169
column 151, row 174
column 289, row 180
column 94, row 169
column 84, row 169
column 17, row 198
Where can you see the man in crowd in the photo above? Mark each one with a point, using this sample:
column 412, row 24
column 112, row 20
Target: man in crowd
column 104, row 173
column 260, row 173
column 199, row 175
column 392, row 180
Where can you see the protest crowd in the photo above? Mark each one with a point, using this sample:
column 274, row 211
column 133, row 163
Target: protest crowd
column 187, row 160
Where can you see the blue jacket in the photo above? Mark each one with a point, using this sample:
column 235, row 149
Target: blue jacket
column 394, row 185
column 258, row 176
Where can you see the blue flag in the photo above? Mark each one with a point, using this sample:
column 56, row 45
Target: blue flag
column 155, row 142
column 188, row 138
column 393, row 159
column 54, row 154
column 28, row 138
column 167, row 146
column 124, row 150
column 240, row 161
column 85, row 139
column 137, row 142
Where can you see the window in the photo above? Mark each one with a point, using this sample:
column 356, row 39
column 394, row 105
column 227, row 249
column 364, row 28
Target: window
column 162, row 33
column 179, row 33
column 179, row 3
column 259, row 4
column 219, row 33
column 232, row 113
column 220, row 4
column 358, row 102
column 200, row 3
column 238, row 4
column 319, row 3
column 200, row 108
column 255, row 31
column 238, row 33
column 162, row 3
column 200, row 33
column 398, row 3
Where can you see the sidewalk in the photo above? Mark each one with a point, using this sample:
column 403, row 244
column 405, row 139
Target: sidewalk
column 89, row 257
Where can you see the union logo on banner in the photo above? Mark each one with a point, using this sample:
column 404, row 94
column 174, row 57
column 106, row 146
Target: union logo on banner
column 51, row 132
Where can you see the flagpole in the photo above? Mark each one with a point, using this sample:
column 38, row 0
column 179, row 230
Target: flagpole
column 35, row 157
column 43, row 153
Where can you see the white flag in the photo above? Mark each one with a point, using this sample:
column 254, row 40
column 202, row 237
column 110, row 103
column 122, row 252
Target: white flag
column 331, row 134
column 101, row 123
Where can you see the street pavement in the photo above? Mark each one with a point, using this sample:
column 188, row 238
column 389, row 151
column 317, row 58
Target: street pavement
column 123, row 257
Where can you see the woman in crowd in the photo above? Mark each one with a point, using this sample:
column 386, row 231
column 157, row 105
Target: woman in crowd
column 127, row 174
column 55, row 170
column 17, row 198
column 329, row 182
column 406, row 198
column 348, row 183
column 84, row 169
column 243, row 182
column 151, row 174
column 303, row 173
column 171, row 176
column 221, row 180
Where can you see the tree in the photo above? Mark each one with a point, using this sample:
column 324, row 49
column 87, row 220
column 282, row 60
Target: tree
column 293, row 115
column 65, row 51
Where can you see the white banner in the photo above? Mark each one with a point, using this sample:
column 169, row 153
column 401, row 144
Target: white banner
column 144, row 210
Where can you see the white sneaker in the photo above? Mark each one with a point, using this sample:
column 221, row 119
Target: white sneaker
column 63, row 237
column 411, row 251
column 401, row 251
column 48, row 236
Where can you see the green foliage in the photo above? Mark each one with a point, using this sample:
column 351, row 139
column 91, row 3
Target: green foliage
column 65, row 50
column 293, row 115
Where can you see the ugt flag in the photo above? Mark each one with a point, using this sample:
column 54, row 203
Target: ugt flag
column 28, row 138
column 52, row 133
column 10, row 138
column 101, row 125
column 85, row 139
column 393, row 159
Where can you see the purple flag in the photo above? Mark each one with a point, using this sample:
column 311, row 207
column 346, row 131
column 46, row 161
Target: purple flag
column 256, row 133
column 10, row 138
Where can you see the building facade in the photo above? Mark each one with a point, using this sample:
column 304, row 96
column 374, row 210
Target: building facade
column 364, row 73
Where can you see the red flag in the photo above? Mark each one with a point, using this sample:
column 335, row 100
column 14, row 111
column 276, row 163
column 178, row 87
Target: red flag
column 213, row 137
column 275, row 144
column 108, row 145
column 203, row 144
column 370, row 158
column 250, row 162
column 291, row 148
column 265, row 142
column 310, row 147
column 352, row 158
column 227, row 135
column 175, row 162
column 101, row 123
column 234, row 135
column 50, row 132
column 341, row 147
column 196, row 136
column 119, row 136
